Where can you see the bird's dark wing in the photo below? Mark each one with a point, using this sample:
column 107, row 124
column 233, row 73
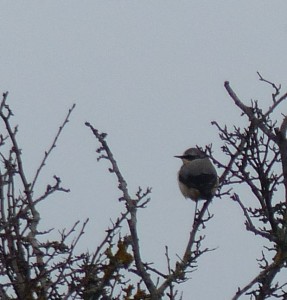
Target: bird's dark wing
column 204, row 183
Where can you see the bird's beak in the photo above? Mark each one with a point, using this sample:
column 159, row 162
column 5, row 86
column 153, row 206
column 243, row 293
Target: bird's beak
column 179, row 156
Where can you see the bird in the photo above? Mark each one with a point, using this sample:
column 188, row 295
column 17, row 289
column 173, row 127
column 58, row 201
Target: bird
column 197, row 177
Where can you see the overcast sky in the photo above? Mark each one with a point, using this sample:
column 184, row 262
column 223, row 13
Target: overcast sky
column 150, row 74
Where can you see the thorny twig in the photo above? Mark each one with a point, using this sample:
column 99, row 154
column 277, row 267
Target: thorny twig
column 131, row 205
column 30, row 267
column 47, row 153
column 264, row 148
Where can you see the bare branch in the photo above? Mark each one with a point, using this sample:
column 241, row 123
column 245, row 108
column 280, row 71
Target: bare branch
column 249, row 112
column 47, row 153
column 269, row 271
column 131, row 207
column 188, row 259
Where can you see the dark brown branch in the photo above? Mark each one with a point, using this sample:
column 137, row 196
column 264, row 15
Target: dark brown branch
column 249, row 112
column 267, row 275
column 249, row 224
column 47, row 153
column 258, row 165
column 32, row 269
column 229, row 167
column 276, row 101
column 131, row 207
column 183, row 264
column 108, row 237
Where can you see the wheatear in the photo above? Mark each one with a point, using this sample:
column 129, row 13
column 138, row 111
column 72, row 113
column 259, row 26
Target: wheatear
column 197, row 177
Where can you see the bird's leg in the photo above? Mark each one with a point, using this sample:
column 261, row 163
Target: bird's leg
column 199, row 213
column 196, row 212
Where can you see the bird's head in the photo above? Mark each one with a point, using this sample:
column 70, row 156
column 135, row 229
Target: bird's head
column 191, row 154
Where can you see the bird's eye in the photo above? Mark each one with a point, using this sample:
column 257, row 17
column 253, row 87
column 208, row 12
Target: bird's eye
column 190, row 157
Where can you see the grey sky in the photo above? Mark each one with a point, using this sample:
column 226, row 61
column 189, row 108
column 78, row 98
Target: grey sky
column 150, row 74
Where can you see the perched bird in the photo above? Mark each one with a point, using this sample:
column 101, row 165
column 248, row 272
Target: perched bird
column 197, row 177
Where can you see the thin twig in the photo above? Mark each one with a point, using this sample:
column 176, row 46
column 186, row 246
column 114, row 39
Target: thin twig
column 249, row 112
column 47, row 153
column 257, row 279
column 185, row 261
column 132, row 208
